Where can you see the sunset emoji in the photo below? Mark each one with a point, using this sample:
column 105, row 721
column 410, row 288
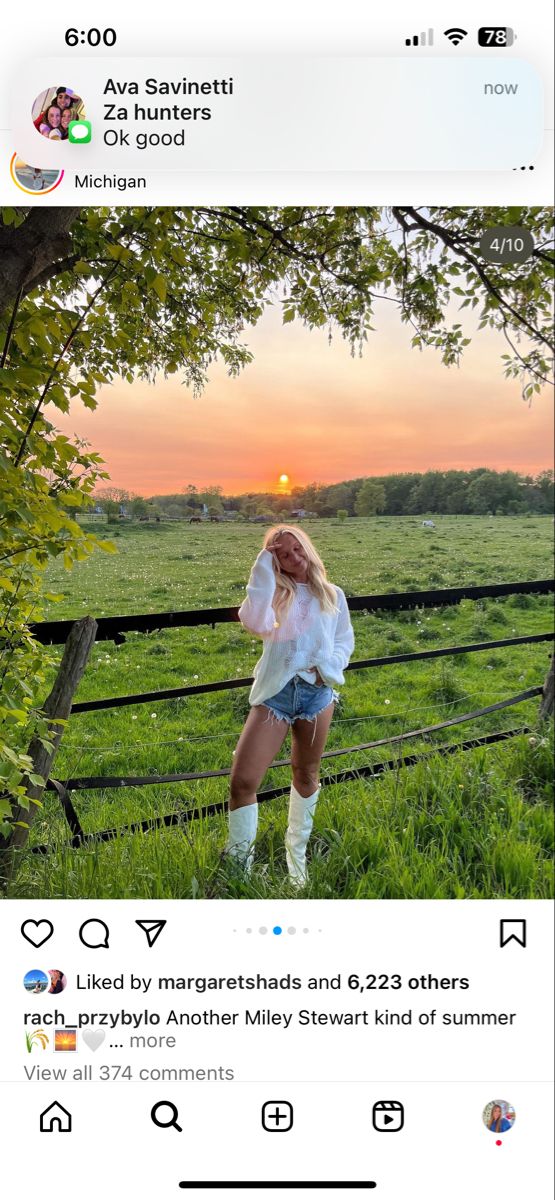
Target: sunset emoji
column 65, row 1039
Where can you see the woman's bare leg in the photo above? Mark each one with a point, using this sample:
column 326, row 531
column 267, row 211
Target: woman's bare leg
column 308, row 739
column 260, row 740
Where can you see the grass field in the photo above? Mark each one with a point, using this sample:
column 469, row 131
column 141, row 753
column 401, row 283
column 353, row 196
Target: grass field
column 471, row 825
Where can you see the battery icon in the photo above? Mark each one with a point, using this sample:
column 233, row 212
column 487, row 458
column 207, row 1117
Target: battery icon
column 496, row 36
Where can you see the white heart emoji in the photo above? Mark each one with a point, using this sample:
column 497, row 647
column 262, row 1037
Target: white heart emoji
column 93, row 1038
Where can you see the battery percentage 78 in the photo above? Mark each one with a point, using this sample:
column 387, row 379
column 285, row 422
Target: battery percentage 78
column 496, row 36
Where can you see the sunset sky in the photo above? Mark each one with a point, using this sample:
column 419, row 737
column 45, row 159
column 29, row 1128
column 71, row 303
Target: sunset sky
column 309, row 410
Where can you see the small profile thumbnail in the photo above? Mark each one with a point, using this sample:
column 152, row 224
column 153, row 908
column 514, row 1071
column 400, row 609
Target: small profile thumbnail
column 499, row 1116
column 53, row 111
column 34, row 180
column 58, row 982
column 35, row 982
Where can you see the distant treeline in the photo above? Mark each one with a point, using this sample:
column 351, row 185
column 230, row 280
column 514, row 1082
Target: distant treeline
column 477, row 493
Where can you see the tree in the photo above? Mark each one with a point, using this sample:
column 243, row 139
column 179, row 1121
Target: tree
column 309, row 497
column 139, row 508
column 111, row 509
column 340, row 495
column 249, row 507
column 212, row 498
column 397, row 492
column 543, row 492
column 342, row 514
column 115, row 494
column 89, row 294
column 191, row 495
column 497, row 492
column 429, row 493
column 370, row 499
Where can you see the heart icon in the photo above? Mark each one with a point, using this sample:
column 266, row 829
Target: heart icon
column 93, row 1038
column 37, row 932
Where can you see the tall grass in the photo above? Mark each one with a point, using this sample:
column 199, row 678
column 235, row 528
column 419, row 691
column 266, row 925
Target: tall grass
column 474, row 824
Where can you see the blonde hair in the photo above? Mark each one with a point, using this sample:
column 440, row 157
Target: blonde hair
column 316, row 575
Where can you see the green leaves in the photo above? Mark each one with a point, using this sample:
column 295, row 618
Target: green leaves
column 160, row 287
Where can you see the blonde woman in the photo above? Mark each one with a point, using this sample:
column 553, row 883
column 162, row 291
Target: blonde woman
column 308, row 638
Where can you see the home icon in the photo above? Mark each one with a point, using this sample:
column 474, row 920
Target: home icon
column 55, row 1119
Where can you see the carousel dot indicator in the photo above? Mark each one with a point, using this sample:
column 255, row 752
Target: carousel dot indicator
column 291, row 929
column 263, row 929
column 277, row 929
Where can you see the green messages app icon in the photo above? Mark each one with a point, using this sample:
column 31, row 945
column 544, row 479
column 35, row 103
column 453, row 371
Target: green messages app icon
column 79, row 131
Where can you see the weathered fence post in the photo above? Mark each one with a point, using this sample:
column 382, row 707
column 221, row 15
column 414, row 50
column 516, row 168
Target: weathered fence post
column 58, row 705
column 546, row 706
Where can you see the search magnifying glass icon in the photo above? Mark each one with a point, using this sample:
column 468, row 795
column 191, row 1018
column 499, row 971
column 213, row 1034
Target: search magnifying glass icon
column 168, row 1117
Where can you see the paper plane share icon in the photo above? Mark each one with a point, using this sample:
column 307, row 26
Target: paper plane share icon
column 152, row 929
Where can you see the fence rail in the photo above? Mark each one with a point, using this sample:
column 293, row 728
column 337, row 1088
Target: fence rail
column 184, row 816
column 225, row 685
column 95, row 782
column 114, row 628
column 53, row 633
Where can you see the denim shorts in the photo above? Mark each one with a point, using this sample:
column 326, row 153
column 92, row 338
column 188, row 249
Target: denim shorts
column 300, row 701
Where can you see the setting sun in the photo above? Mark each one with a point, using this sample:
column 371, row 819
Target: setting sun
column 284, row 479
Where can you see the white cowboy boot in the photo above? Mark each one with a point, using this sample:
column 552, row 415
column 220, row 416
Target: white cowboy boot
column 242, row 832
column 301, row 815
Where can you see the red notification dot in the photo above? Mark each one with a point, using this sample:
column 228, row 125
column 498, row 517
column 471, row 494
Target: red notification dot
column 499, row 1143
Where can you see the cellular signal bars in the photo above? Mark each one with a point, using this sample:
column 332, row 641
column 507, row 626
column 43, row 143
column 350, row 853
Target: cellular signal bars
column 421, row 39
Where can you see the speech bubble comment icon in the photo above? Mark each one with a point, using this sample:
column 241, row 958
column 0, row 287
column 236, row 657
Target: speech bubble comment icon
column 94, row 934
column 79, row 131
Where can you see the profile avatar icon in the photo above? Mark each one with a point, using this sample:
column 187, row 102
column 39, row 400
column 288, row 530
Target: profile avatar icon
column 34, row 180
column 35, row 982
column 499, row 1116
column 58, row 982
column 54, row 110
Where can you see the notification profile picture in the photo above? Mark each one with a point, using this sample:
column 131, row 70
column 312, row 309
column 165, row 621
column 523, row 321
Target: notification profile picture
column 36, row 982
column 35, row 181
column 55, row 110
column 499, row 1116
column 58, row 982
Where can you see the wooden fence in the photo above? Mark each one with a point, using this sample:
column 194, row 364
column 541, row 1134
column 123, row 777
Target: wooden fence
column 115, row 628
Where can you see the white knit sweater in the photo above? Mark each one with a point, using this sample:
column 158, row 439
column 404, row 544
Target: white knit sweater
column 306, row 637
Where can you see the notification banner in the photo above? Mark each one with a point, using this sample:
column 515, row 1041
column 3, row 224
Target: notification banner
column 270, row 113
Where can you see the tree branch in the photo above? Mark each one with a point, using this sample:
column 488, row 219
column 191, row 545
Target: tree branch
column 449, row 240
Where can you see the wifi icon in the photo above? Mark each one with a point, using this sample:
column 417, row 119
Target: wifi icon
column 455, row 35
